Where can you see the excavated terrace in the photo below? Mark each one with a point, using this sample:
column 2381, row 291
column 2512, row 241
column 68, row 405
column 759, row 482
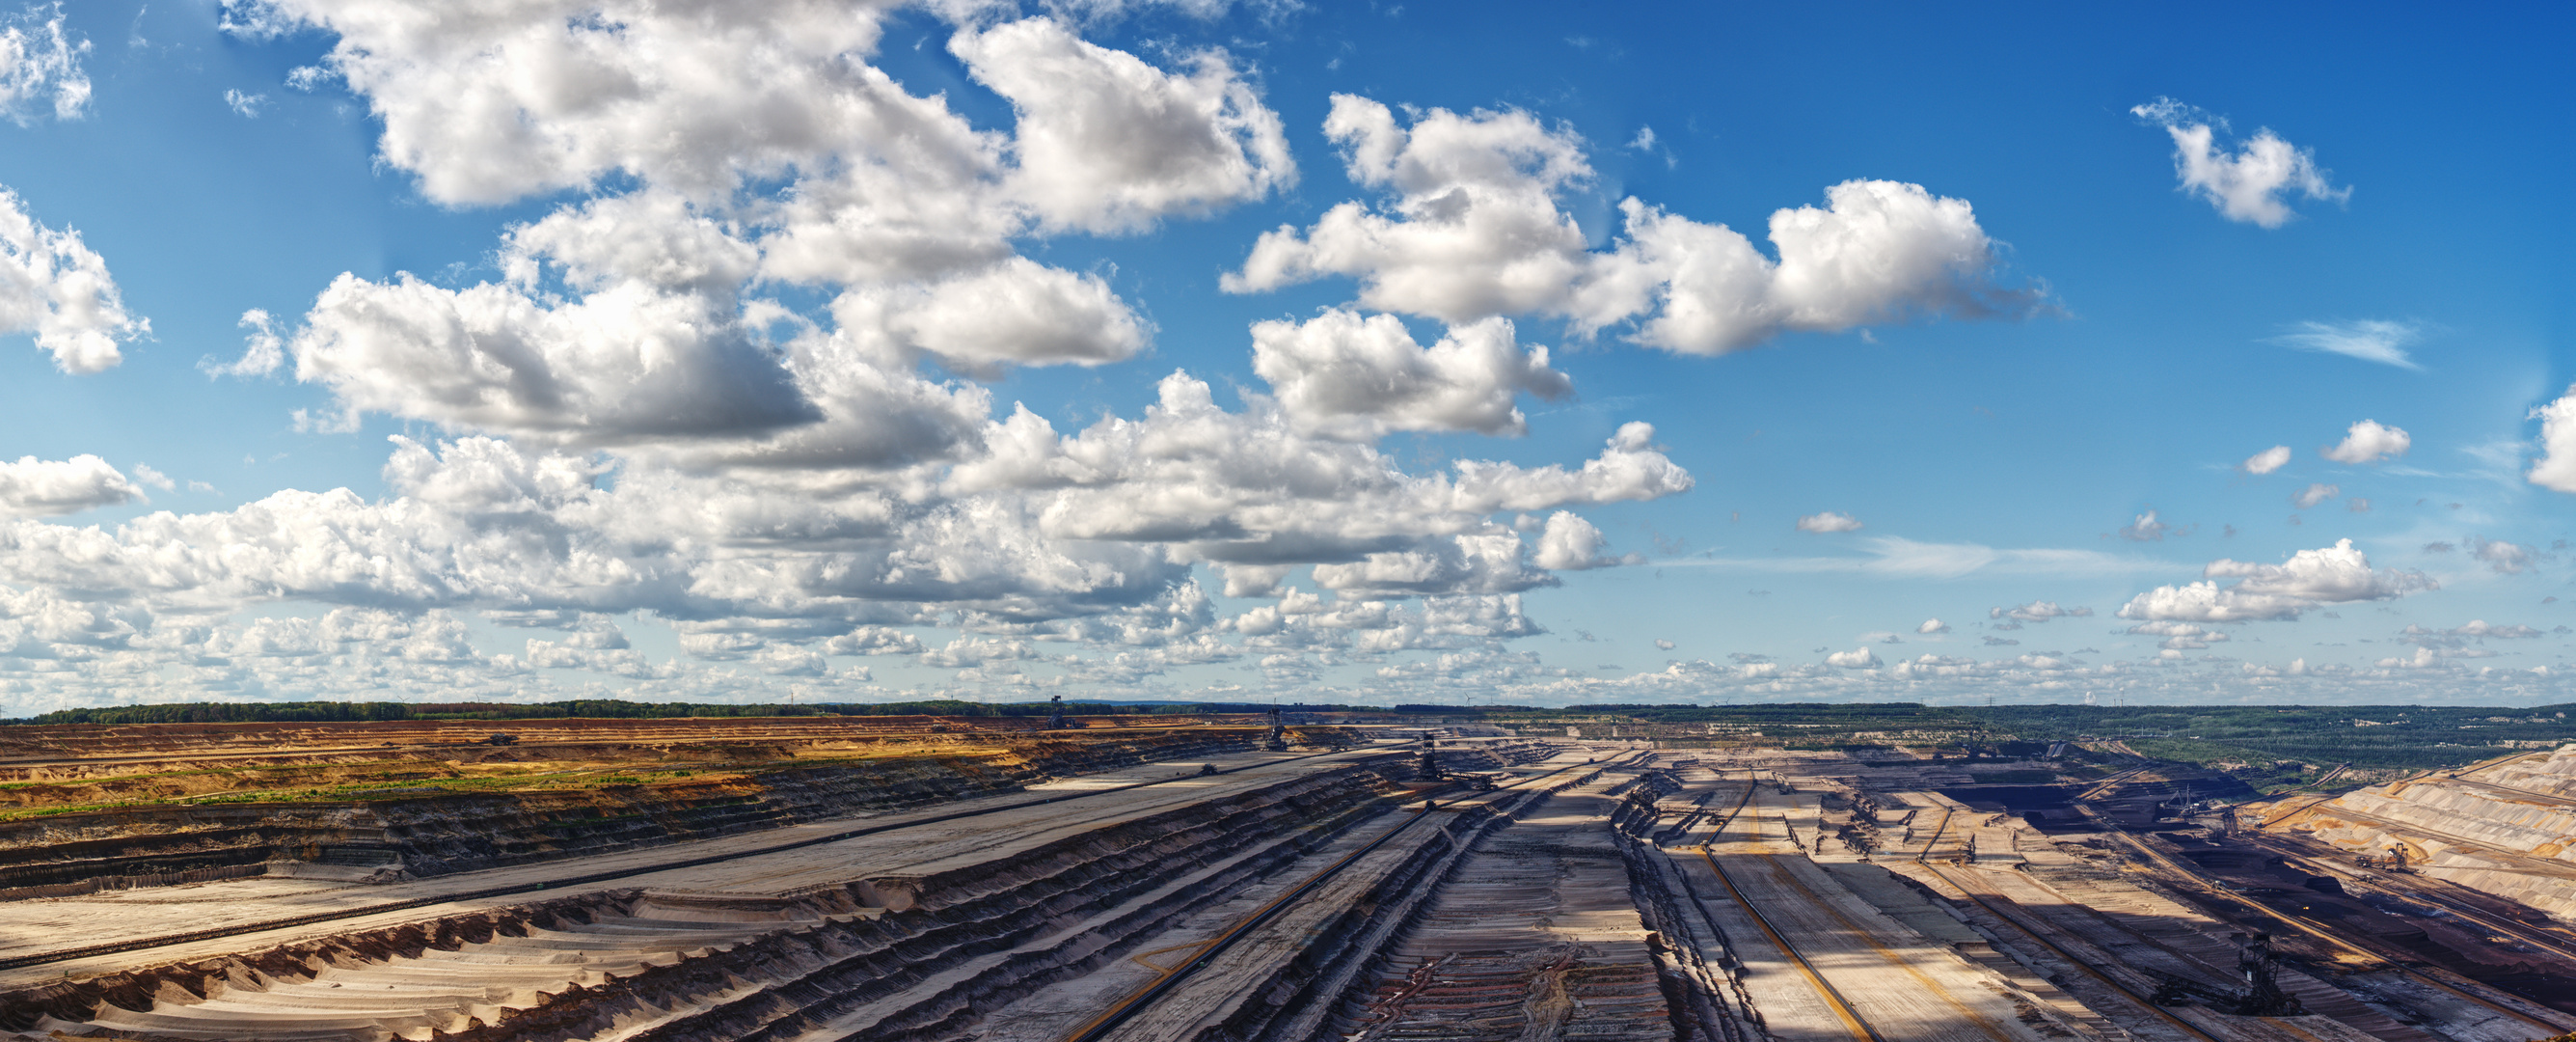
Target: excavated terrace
column 2507, row 828
column 1543, row 891
column 565, row 789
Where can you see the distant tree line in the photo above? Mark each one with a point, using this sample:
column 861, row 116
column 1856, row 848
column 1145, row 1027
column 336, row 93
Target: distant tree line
column 2365, row 736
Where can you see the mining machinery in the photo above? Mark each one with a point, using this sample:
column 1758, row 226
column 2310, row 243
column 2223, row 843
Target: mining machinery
column 1278, row 740
column 1429, row 767
column 2180, row 807
column 1055, row 714
column 2257, row 965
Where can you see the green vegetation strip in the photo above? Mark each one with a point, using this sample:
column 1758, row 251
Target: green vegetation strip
column 2371, row 738
column 358, row 791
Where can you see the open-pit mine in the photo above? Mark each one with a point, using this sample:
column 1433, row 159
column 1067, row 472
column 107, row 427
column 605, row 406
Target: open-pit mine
column 1153, row 878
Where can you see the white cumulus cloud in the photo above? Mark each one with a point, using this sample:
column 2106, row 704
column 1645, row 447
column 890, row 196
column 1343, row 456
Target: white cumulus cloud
column 728, row 381
column 262, row 353
column 2505, row 558
column 1933, row 626
column 40, row 488
column 1349, row 376
column 630, row 320
column 2180, row 636
column 40, row 65
column 534, row 98
column 2037, row 611
column 2424, row 658
column 1474, row 228
column 1829, row 521
column 2314, row 494
column 1570, row 543
column 1106, row 142
column 2556, row 467
column 2248, row 186
column 633, row 364
column 2334, row 575
column 1856, row 658
column 54, row 286
column 2266, row 461
column 2368, row 442
column 1014, row 311
column 2145, row 529
column 874, row 640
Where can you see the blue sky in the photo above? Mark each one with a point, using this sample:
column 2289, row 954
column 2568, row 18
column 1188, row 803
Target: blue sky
column 703, row 336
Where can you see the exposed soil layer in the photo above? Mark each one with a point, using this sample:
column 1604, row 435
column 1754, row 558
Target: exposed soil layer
column 32, row 747
column 2507, row 827
column 2289, row 885
column 1535, row 936
column 1538, row 890
column 571, row 788
column 652, row 965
